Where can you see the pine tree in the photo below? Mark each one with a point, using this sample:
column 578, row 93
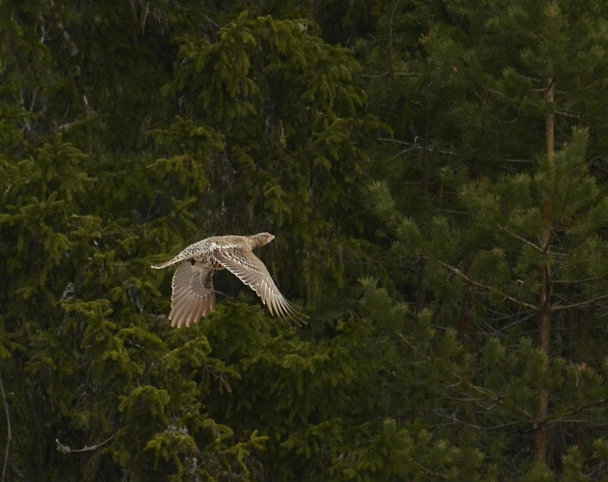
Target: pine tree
column 496, row 90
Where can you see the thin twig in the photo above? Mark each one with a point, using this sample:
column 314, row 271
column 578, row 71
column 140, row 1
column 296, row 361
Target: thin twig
column 520, row 238
column 416, row 146
column 9, row 435
column 64, row 449
column 487, row 288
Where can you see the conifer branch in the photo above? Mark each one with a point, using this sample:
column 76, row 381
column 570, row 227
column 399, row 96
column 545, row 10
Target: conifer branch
column 581, row 304
column 476, row 426
column 9, row 435
column 519, row 238
column 476, row 284
column 427, row 471
column 415, row 145
column 64, row 449
column 400, row 73
column 564, row 417
column 565, row 113
column 484, row 392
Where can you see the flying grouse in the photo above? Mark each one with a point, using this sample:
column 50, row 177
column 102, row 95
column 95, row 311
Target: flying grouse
column 193, row 296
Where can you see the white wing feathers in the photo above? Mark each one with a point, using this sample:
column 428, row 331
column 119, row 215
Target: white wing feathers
column 252, row 271
column 193, row 295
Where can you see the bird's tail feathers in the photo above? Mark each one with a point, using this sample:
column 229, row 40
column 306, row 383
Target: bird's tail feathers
column 163, row 265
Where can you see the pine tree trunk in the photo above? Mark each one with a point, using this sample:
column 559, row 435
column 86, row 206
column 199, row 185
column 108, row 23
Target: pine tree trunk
column 541, row 430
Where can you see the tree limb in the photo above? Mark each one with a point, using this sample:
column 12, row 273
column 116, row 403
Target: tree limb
column 9, row 435
column 460, row 274
column 519, row 238
column 580, row 304
column 64, row 449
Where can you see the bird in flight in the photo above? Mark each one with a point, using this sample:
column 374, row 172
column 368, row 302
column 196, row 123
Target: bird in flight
column 193, row 296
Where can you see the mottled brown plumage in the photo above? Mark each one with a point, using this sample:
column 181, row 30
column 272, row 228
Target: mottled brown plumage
column 193, row 296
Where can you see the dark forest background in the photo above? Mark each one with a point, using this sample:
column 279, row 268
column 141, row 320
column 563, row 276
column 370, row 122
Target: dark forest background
column 435, row 173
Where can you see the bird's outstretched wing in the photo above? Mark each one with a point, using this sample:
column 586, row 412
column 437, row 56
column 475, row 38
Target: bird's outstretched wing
column 251, row 270
column 193, row 295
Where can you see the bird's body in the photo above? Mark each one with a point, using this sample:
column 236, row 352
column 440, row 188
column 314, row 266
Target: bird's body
column 193, row 296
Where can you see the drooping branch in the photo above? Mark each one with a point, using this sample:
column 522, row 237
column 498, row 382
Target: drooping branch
column 64, row 449
column 519, row 238
column 476, row 284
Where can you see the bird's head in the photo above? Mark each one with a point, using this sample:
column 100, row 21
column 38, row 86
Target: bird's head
column 260, row 239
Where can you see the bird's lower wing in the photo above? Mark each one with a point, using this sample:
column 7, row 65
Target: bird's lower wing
column 193, row 296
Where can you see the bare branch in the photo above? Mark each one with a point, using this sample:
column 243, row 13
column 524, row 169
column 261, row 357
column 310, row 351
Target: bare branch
column 64, row 449
column 581, row 304
column 415, row 145
column 518, row 237
column 9, row 435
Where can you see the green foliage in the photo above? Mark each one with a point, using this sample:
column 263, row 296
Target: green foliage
column 439, row 204
column 495, row 233
column 288, row 161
